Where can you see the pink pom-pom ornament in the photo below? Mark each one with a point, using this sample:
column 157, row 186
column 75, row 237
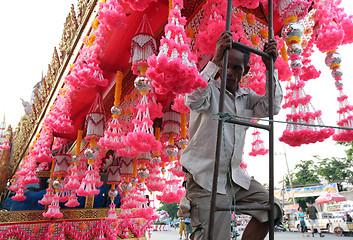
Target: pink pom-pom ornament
column 174, row 69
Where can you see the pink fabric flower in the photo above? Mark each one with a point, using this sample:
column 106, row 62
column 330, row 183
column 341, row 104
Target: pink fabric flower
column 112, row 15
column 174, row 69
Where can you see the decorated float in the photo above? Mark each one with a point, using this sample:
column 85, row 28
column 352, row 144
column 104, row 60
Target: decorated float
column 102, row 141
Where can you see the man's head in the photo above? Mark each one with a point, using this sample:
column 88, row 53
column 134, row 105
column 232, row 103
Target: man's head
column 308, row 204
column 238, row 60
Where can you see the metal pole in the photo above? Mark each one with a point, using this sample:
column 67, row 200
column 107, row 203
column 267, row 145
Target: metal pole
column 219, row 129
column 271, row 134
column 249, row 124
column 251, row 49
column 289, row 176
column 288, row 172
column 283, row 190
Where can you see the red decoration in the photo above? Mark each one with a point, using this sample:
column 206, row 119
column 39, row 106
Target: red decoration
column 111, row 15
column 174, row 69
column 258, row 147
column 297, row 100
column 345, row 111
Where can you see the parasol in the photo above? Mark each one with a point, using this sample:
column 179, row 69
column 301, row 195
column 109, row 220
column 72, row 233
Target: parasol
column 330, row 197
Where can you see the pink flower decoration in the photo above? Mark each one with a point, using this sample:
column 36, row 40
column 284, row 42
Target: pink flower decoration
column 248, row 3
column 174, row 69
column 142, row 142
column 171, row 197
column 284, row 72
column 347, row 25
column 310, row 72
column 343, row 136
column 113, row 136
column 179, row 105
column 305, row 136
column 111, row 15
column 138, row 4
column 258, row 147
column 19, row 196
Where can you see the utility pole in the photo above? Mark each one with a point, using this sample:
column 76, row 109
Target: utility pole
column 288, row 172
column 283, row 191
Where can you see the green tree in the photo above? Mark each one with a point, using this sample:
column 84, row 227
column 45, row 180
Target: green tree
column 305, row 174
column 349, row 151
column 335, row 170
column 171, row 209
column 303, row 200
column 286, row 180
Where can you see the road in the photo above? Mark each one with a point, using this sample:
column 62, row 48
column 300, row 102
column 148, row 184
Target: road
column 173, row 235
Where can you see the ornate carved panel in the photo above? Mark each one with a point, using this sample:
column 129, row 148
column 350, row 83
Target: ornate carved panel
column 68, row 214
column 89, row 202
column 68, row 35
column 54, row 65
column 82, row 6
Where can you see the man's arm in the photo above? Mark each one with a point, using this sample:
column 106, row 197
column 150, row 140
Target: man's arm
column 260, row 103
column 224, row 42
column 199, row 100
column 271, row 49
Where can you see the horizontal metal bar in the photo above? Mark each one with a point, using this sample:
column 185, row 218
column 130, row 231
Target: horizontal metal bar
column 293, row 123
column 250, row 49
column 249, row 124
column 235, row 208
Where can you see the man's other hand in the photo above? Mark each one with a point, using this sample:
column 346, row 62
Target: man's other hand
column 224, row 42
column 270, row 48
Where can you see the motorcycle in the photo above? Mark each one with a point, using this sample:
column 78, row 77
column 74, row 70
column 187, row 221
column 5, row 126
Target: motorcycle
column 280, row 228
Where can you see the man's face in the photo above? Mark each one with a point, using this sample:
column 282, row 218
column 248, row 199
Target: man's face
column 235, row 70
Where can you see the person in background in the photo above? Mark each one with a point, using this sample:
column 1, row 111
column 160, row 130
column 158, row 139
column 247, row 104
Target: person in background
column 288, row 224
column 312, row 215
column 172, row 223
column 303, row 227
column 167, row 222
column 347, row 218
column 188, row 227
column 176, row 223
column 182, row 228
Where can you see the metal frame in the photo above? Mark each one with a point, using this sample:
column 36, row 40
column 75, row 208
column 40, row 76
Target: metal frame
column 269, row 127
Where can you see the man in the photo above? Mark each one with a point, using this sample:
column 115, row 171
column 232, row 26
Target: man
column 312, row 215
column 198, row 158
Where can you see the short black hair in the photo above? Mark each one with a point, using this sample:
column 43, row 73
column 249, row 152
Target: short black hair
column 245, row 52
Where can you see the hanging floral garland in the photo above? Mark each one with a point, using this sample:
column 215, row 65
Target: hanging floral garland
column 345, row 111
column 113, row 135
column 258, row 147
column 142, row 139
column 297, row 100
column 174, row 69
